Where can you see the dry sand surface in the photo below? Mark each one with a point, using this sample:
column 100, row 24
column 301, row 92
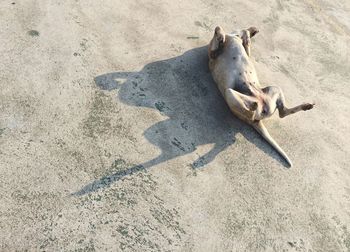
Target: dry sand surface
column 114, row 137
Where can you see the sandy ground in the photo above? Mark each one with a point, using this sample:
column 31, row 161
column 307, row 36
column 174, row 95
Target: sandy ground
column 114, row 137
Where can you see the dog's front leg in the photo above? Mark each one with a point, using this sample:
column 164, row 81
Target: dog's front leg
column 217, row 43
column 246, row 41
column 246, row 35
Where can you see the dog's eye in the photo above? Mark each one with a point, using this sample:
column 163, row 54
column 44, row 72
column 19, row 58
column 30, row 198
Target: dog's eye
column 264, row 111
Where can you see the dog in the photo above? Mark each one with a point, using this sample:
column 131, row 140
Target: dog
column 235, row 75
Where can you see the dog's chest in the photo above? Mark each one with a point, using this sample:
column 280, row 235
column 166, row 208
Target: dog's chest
column 234, row 69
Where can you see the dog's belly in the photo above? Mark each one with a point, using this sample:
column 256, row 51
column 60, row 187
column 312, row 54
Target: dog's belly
column 234, row 69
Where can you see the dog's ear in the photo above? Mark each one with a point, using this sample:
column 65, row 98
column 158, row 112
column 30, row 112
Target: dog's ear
column 253, row 31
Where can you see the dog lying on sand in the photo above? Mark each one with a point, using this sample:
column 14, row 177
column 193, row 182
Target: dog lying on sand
column 235, row 75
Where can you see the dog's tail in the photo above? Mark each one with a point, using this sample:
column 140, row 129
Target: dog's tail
column 260, row 127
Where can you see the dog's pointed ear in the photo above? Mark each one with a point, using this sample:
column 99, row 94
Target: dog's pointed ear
column 252, row 31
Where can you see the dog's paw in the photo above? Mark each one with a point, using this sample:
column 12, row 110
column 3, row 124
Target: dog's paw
column 219, row 34
column 308, row 106
column 253, row 31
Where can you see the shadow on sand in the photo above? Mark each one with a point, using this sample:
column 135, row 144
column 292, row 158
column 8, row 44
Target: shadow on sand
column 182, row 89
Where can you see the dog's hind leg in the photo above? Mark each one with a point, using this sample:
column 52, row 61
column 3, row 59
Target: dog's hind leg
column 284, row 111
column 277, row 99
column 243, row 106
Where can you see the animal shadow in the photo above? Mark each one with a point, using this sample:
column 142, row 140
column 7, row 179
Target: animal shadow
column 182, row 89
